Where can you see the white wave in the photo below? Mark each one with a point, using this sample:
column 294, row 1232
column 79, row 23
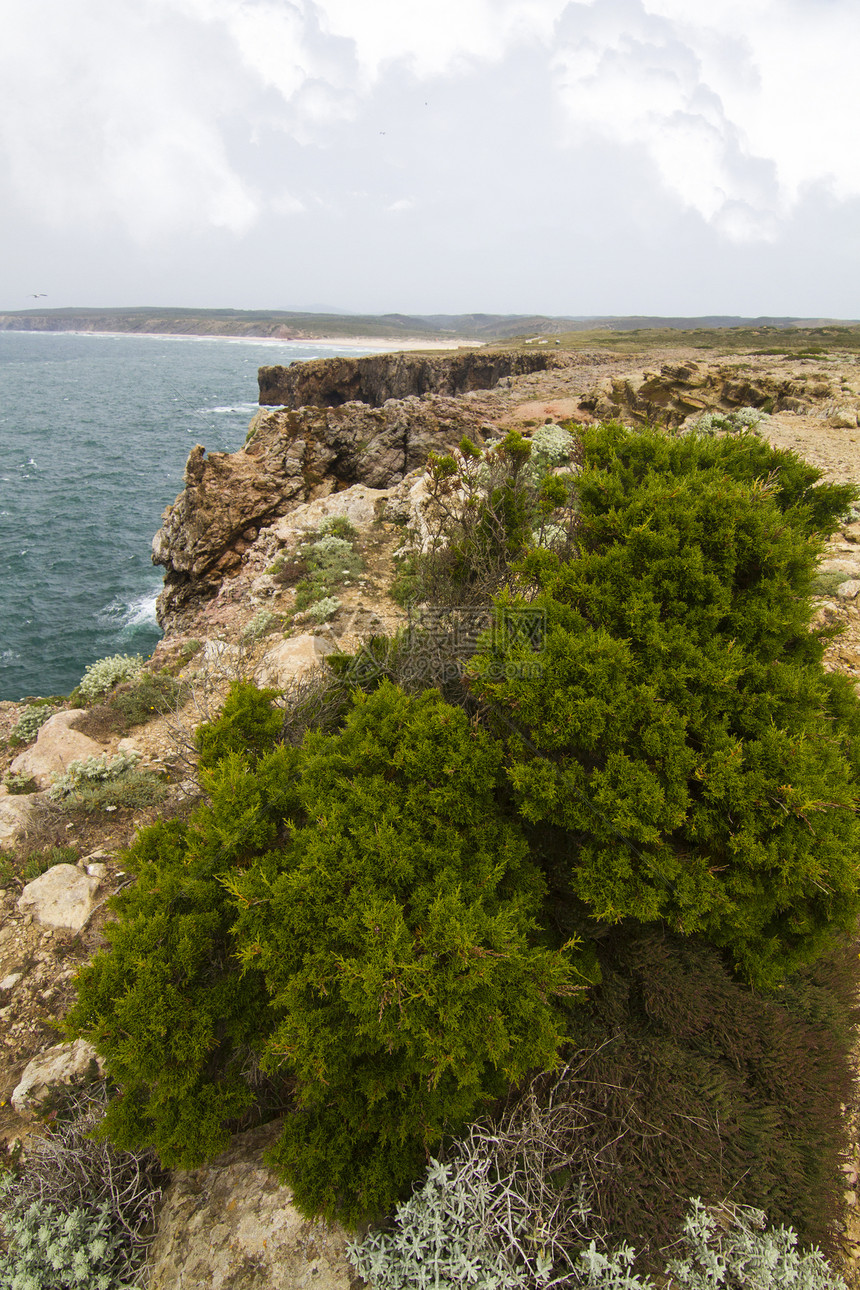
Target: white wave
column 9, row 656
column 233, row 407
column 137, row 612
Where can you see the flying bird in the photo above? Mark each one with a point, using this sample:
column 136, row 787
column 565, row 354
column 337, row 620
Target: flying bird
column 37, row 295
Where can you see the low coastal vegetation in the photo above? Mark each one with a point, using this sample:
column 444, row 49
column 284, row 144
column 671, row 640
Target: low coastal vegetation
column 541, row 911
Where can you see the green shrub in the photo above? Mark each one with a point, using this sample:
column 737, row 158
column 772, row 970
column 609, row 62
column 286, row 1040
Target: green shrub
column 148, row 696
column 331, row 561
column 340, row 527
column 106, row 783
column 8, row 872
column 263, row 622
column 484, row 510
column 92, row 770
column 166, row 1005
column 103, row 675
column 131, row 791
column 321, row 610
column 691, row 1081
column 30, row 722
column 826, row 581
column 681, row 751
column 399, row 916
column 383, row 913
column 249, row 724
column 20, row 783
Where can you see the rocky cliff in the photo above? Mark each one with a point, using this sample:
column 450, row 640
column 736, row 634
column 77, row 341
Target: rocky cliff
column 373, row 420
column 290, row 457
column 330, row 382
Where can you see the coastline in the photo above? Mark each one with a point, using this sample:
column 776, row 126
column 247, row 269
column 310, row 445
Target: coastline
column 382, row 345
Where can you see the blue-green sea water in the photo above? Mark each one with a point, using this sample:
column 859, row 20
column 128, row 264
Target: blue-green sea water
column 94, row 434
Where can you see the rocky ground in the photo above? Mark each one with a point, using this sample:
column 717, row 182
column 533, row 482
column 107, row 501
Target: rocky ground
column 229, row 611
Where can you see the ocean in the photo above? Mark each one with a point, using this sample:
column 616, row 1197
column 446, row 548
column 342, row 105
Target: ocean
column 94, row 434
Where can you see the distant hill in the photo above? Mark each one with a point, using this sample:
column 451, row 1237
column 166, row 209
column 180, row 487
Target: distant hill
column 286, row 325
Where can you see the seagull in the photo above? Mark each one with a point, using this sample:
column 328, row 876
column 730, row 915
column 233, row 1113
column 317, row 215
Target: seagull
column 37, row 295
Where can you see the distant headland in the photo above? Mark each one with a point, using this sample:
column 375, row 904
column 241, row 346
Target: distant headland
column 433, row 329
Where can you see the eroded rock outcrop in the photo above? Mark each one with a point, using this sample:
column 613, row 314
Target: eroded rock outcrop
column 330, row 382
column 291, row 457
column 231, row 1226
column 680, row 390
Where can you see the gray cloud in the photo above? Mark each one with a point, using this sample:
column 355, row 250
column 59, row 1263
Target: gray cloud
column 478, row 154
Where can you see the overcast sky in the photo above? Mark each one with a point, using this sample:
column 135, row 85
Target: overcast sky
column 505, row 156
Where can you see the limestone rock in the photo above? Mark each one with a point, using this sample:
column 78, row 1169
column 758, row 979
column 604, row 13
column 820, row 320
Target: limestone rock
column 15, row 812
column 290, row 659
column 56, row 1065
column 848, row 590
column 230, row 1226
column 357, row 504
column 56, row 745
column 844, row 419
column 220, row 656
column 60, row 897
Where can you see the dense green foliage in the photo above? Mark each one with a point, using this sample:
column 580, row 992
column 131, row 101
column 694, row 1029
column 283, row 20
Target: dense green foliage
column 165, row 1004
column 249, row 724
column 374, row 913
column 682, row 753
column 384, row 913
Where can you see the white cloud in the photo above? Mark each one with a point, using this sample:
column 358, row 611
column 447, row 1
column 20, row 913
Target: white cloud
column 106, row 117
column 437, row 37
column 138, row 113
column 164, row 116
column 741, row 106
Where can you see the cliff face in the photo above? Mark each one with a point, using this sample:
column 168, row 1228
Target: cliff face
column 290, row 457
column 300, row 453
column 330, row 382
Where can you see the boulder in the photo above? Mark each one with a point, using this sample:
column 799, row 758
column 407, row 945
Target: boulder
column 848, row 590
column 56, row 745
column 844, row 419
column 60, row 897
column 290, row 659
column 15, row 812
column 56, row 1065
column 230, row 1224
column 357, row 504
